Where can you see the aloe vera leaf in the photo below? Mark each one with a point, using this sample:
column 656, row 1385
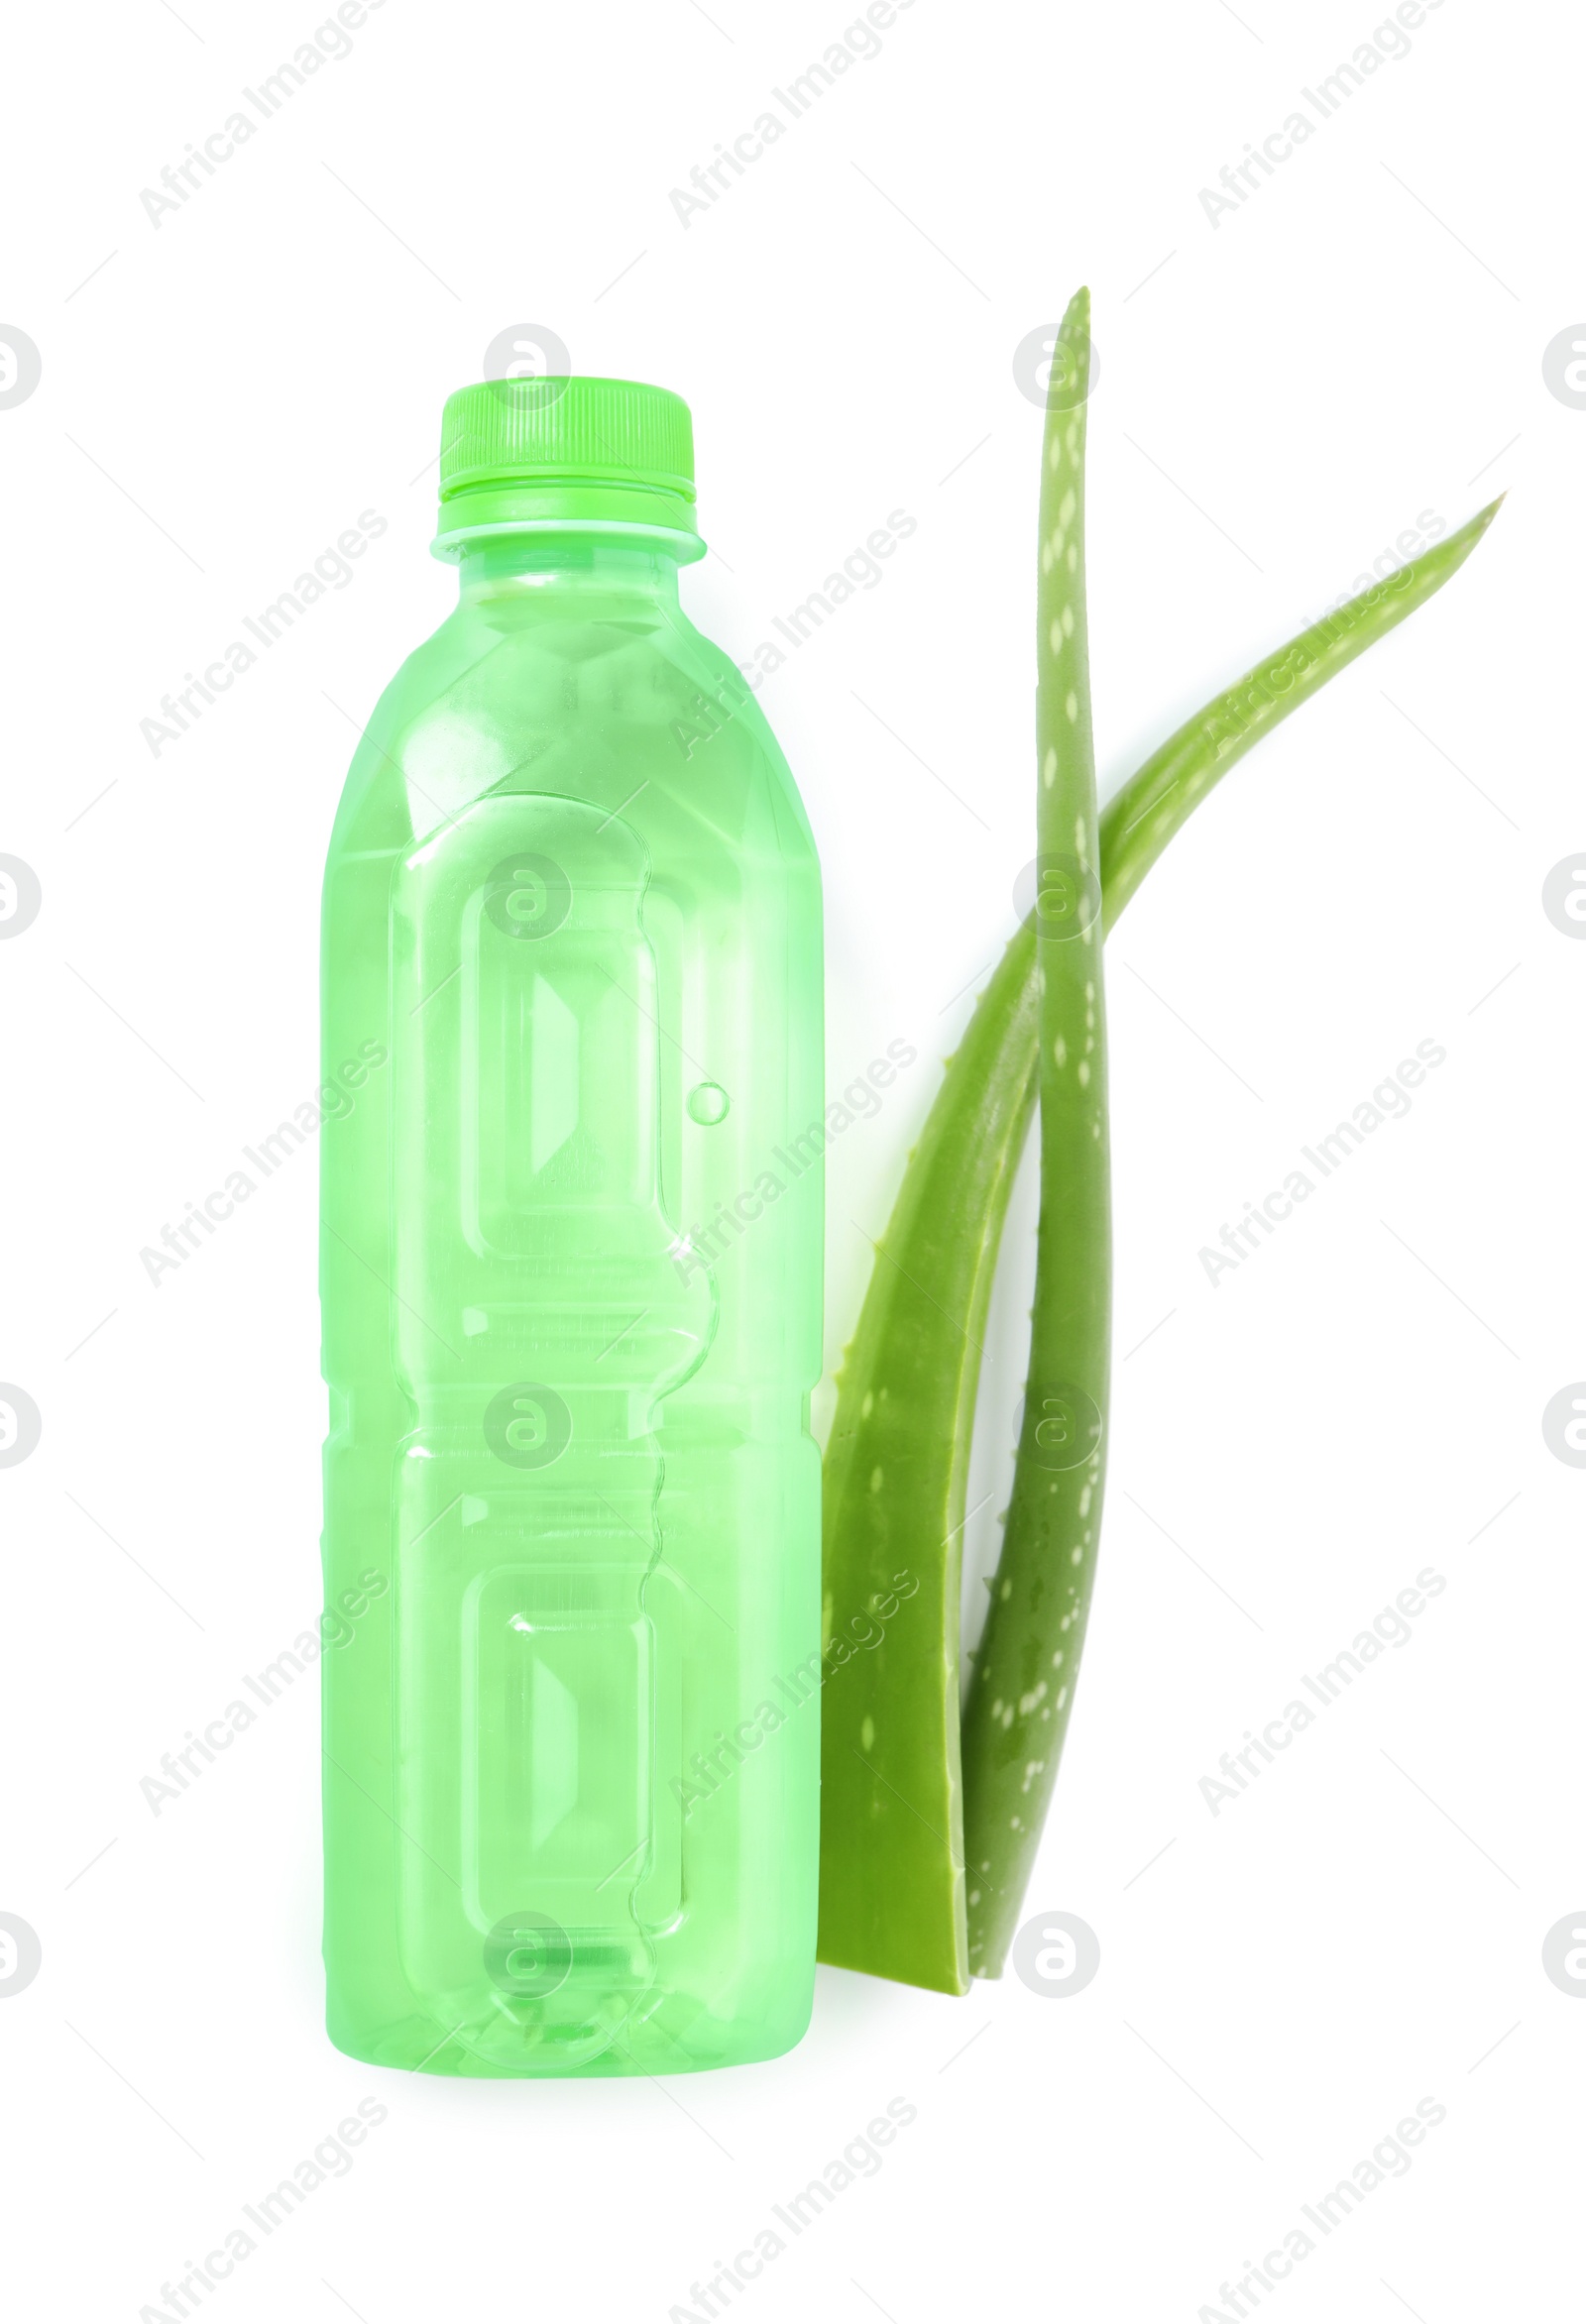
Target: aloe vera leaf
column 892, row 1880
column 1023, row 1672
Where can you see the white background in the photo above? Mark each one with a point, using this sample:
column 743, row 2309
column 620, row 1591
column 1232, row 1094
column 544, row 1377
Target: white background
column 1280, row 395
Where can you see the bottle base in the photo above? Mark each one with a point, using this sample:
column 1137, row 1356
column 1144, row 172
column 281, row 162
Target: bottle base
column 502, row 2049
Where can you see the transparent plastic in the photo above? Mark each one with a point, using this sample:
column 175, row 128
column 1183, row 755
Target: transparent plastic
column 570, row 1273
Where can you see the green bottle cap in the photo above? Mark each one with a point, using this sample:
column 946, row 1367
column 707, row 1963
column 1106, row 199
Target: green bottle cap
column 555, row 454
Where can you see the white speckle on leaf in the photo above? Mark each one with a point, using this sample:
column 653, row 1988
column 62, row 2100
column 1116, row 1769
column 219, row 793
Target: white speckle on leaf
column 1074, row 1556
column 866, row 1733
column 875, row 1480
column 1072, row 557
column 1057, row 1658
column 1063, row 1696
column 1068, row 621
column 1028, row 1703
column 1070, row 709
column 1083, row 1073
column 1059, row 1050
column 868, row 1406
column 1066, row 508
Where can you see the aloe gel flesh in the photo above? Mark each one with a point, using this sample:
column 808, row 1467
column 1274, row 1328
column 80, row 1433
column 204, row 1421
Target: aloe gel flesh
column 570, row 1276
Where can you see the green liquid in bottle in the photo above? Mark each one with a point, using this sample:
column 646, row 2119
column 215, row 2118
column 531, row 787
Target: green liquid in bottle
column 570, row 1271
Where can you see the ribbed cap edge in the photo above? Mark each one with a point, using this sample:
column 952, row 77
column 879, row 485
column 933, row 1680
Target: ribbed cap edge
column 567, row 430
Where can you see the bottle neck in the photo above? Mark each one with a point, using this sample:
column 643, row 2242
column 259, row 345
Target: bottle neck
column 538, row 567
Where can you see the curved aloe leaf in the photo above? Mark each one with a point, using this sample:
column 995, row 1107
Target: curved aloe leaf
column 892, row 1880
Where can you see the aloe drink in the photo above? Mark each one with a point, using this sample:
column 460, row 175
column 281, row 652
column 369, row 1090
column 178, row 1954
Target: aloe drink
column 570, row 1272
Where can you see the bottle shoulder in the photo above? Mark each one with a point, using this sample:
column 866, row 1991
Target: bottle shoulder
column 584, row 704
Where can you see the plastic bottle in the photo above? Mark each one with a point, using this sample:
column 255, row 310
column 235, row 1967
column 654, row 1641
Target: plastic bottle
column 570, row 1275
